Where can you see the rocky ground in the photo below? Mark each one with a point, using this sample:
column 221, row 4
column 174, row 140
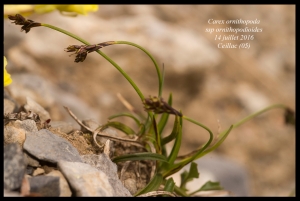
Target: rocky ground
column 215, row 86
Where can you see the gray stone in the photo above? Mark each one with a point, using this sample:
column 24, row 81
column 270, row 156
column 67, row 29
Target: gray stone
column 29, row 170
column 15, row 131
column 103, row 163
column 31, row 161
column 33, row 106
column 65, row 127
column 86, row 180
column 231, row 175
column 14, row 135
column 47, row 146
column 28, row 125
column 14, row 166
column 46, row 186
column 91, row 123
column 38, row 171
column 9, row 106
column 130, row 184
column 8, row 193
column 65, row 190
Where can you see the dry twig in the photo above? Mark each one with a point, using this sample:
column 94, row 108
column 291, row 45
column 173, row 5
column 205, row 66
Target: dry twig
column 99, row 132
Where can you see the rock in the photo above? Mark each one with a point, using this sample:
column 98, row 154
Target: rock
column 65, row 127
column 86, row 180
column 15, row 131
column 130, row 184
column 8, row 193
column 14, row 135
column 30, row 161
column 14, row 166
column 91, row 123
column 231, row 175
column 28, row 125
column 65, row 190
column 48, row 95
column 33, row 106
column 29, row 170
column 9, row 106
column 38, row 171
column 46, row 186
column 47, row 146
column 103, row 163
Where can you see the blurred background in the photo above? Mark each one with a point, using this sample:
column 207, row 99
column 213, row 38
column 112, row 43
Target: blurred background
column 215, row 86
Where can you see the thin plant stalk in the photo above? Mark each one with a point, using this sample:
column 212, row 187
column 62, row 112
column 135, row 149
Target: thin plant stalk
column 160, row 78
column 102, row 54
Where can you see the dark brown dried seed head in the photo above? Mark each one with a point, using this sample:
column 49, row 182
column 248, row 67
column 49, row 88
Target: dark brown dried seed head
column 158, row 106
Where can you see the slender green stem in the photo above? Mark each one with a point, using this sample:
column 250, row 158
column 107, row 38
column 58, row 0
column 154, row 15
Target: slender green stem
column 225, row 132
column 211, row 136
column 256, row 114
column 251, row 116
column 160, row 78
column 102, row 54
column 176, row 167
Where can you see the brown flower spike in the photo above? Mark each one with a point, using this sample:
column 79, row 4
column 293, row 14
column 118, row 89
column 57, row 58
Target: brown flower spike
column 158, row 106
column 289, row 116
column 27, row 24
column 82, row 50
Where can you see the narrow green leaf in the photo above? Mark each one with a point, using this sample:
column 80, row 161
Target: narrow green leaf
column 209, row 186
column 152, row 185
column 157, row 136
column 140, row 156
column 169, row 186
column 120, row 126
column 180, row 192
column 164, row 117
column 141, row 130
column 190, row 175
column 126, row 115
column 217, row 144
column 175, row 168
column 177, row 143
column 173, row 134
column 183, row 177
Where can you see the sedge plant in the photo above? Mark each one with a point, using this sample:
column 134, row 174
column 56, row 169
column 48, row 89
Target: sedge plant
column 152, row 125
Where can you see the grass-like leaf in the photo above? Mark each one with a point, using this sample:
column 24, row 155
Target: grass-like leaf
column 157, row 136
column 120, row 126
column 189, row 176
column 173, row 134
column 164, row 117
column 140, row 156
column 127, row 115
column 177, row 144
column 152, row 185
column 169, row 185
column 208, row 186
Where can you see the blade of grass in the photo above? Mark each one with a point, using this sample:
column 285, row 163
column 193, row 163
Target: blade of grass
column 160, row 78
column 157, row 136
column 164, row 117
column 126, row 115
column 140, row 156
column 152, row 185
column 177, row 143
column 175, row 168
column 120, row 126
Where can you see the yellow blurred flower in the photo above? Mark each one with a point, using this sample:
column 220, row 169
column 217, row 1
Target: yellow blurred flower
column 27, row 10
column 80, row 9
column 24, row 10
column 7, row 79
